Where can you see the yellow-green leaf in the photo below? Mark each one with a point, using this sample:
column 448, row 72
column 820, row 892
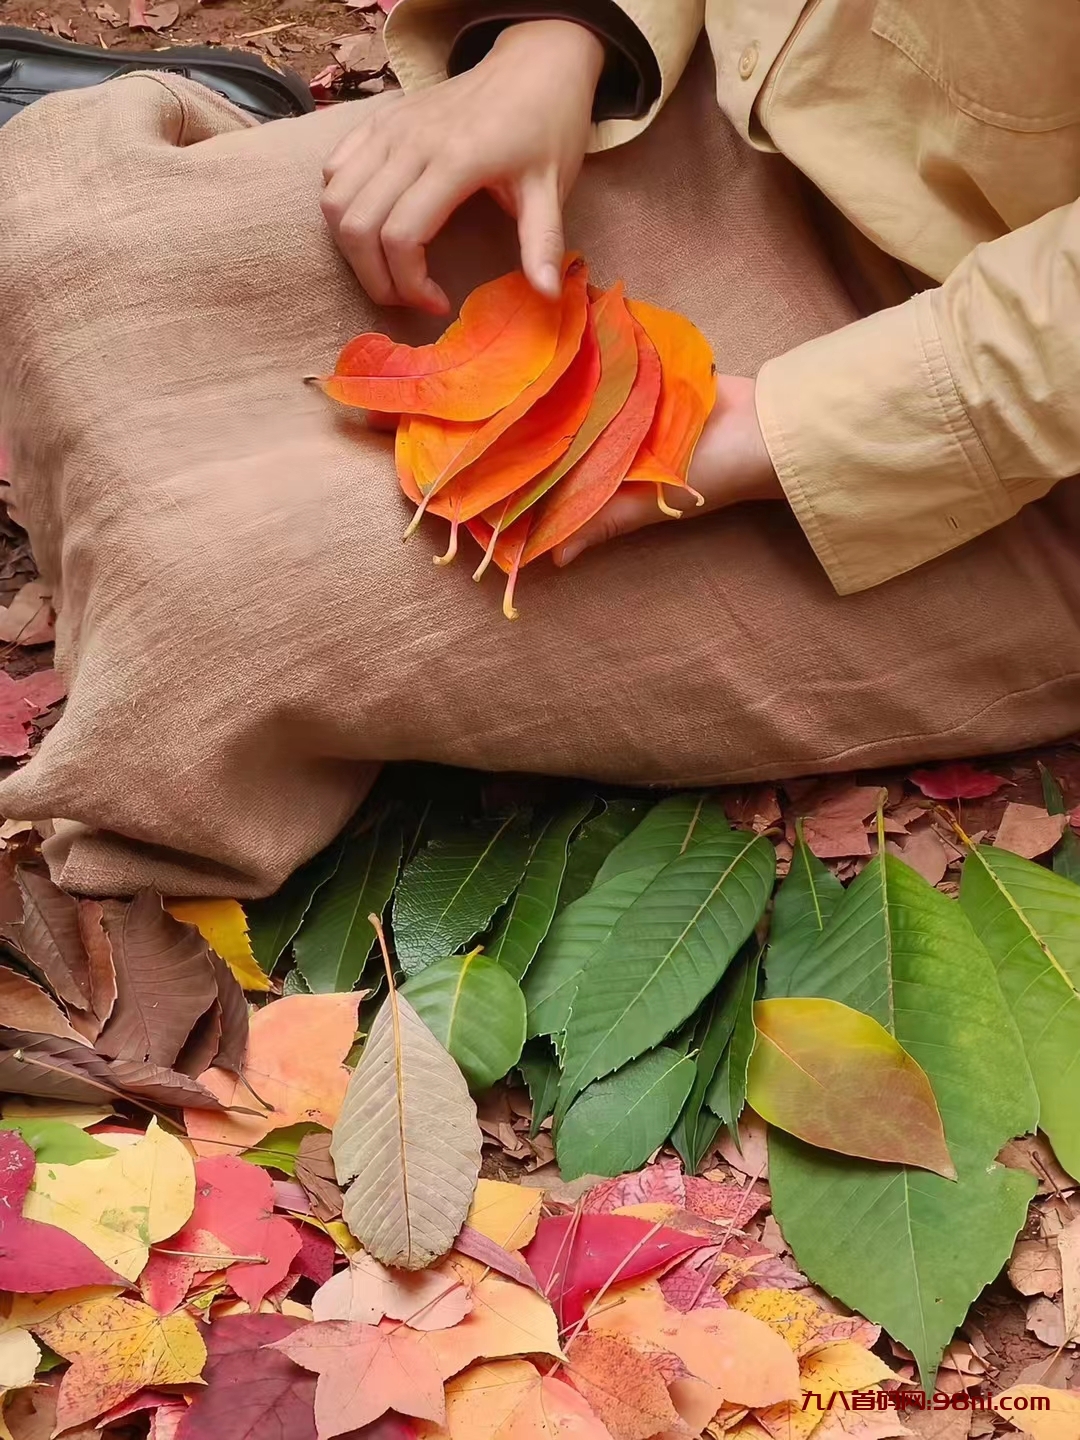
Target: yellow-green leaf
column 224, row 927
column 837, row 1079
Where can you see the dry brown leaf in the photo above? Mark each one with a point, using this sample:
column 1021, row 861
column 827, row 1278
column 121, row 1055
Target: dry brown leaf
column 1028, row 830
column 1046, row 1321
column 28, row 620
column 1033, row 1153
column 753, row 1157
column 1035, row 1268
column 835, row 827
column 25, row 1006
column 1068, row 1244
column 924, row 851
column 363, row 54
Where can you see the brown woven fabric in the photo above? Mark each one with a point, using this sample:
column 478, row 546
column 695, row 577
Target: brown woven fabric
column 243, row 632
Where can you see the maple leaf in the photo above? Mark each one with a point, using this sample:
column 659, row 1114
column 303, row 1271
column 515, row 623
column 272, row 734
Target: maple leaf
column 234, row 1202
column 511, row 1400
column 368, row 1291
column 738, row 1353
column 251, row 1388
column 296, row 1050
column 505, row 1319
column 118, row 1207
column 35, row 1255
column 364, row 1371
column 622, row 1385
column 117, row 1347
column 958, row 781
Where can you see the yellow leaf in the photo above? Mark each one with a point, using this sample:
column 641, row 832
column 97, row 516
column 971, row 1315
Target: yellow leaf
column 507, row 1214
column 117, row 1347
column 23, row 1312
column 342, row 1236
column 223, row 925
column 19, row 1356
column 120, row 1206
column 510, row 1400
column 81, row 1116
column 1058, row 1417
column 838, row 1368
column 795, row 1318
column 653, row 1210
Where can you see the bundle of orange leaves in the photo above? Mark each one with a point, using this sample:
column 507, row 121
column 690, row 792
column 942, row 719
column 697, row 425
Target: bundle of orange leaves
column 528, row 414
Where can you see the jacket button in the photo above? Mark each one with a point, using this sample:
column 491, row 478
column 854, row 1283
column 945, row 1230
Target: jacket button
column 748, row 61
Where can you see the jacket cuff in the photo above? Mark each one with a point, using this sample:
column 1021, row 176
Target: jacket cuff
column 874, row 448
column 429, row 40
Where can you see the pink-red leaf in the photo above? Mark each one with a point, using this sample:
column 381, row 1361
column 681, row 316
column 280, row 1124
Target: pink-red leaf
column 958, row 781
column 33, row 1256
column 253, row 1392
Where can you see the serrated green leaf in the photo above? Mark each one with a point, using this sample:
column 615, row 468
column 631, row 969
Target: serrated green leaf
column 476, row 1010
column 616, row 1123
column 531, row 909
column 669, row 829
column 56, row 1142
column 696, row 1127
column 1029, row 920
column 1066, row 857
column 294, row 984
column 336, row 937
column 902, row 952
column 727, row 1093
column 575, row 935
column 594, row 842
column 804, row 904
column 540, row 1066
column 664, row 954
column 450, row 890
column 274, row 922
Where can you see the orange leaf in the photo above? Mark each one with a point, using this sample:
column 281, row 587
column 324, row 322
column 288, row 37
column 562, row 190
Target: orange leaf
column 296, row 1047
column 365, row 1370
column 687, row 395
column 510, row 1400
column 443, row 449
column 736, row 1352
column 623, row 1386
column 367, row 1292
column 595, row 478
column 618, row 368
column 505, row 1319
column 503, row 340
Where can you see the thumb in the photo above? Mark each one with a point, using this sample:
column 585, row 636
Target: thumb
column 540, row 232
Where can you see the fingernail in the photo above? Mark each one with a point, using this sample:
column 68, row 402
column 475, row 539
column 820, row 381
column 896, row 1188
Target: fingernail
column 550, row 280
column 570, row 551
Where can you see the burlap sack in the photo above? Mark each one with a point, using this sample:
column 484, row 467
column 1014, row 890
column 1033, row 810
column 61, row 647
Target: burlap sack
column 243, row 632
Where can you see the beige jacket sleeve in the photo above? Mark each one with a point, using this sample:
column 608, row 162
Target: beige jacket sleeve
column 905, row 434
column 420, row 36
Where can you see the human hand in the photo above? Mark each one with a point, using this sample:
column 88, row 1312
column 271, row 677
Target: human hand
column 730, row 464
column 517, row 124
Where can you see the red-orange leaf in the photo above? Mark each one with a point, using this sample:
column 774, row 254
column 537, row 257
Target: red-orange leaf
column 618, row 369
column 442, row 449
column 504, row 338
column 687, row 395
column 596, row 477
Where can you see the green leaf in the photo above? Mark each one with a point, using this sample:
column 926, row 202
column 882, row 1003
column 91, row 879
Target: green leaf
column 838, row 1079
column 56, row 1142
column 664, row 954
column 274, row 922
column 540, row 1066
column 675, row 826
column 908, row 1249
column 450, row 890
column 803, row 907
column 727, row 1093
column 336, row 936
column 1066, row 859
column 594, row 842
column 528, row 916
column 476, row 1011
column 279, row 1149
column 696, row 1128
column 616, row 1123
column 294, row 984
column 1029, row 920
column 668, row 830
column 575, row 936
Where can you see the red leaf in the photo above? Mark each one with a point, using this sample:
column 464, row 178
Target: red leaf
column 959, row 781
column 20, row 701
column 315, row 1258
column 479, row 1247
column 252, row 1391
column 234, row 1201
column 659, row 1184
column 574, row 1256
column 36, row 1257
